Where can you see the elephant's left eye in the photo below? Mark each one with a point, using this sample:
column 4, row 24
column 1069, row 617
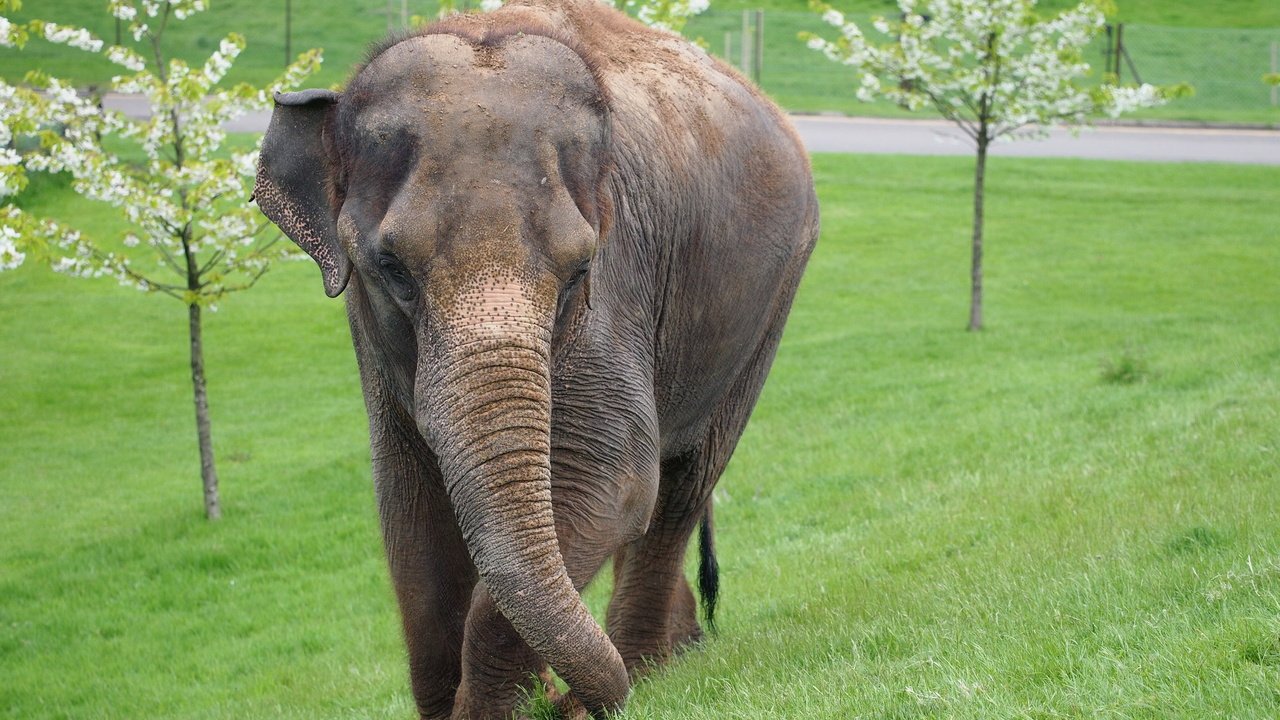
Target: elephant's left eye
column 578, row 273
column 397, row 278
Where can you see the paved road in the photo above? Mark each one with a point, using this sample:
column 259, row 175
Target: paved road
column 936, row 137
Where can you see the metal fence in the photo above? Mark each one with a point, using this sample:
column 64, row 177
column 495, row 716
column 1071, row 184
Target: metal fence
column 1226, row 66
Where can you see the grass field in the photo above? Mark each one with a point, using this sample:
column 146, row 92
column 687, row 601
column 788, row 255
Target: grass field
column 1221, row 47
column 1073, row 514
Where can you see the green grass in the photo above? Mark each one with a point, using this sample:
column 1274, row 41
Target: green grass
column 1073, row 514
column 1220, row 47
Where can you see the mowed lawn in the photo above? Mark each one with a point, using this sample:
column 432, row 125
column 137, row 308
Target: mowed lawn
column 1073, row 514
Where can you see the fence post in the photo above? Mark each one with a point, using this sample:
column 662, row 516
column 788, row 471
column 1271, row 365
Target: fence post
column 745, row 61
column 1119, row 49
column 1275, row 68
column 759, row 48
column 288, row 31
column 1106, row 50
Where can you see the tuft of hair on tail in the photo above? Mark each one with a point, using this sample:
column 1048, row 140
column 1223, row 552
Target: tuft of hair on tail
column 708, row 569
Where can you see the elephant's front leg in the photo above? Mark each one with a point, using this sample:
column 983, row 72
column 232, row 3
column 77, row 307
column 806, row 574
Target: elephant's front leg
column 430, row 568
column 498, row 667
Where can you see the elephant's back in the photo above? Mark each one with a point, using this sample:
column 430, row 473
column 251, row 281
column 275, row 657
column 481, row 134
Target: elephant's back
column 714, row 213
column 718, row 203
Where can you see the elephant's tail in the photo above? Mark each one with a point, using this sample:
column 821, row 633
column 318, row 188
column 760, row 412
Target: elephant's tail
column 708, row 568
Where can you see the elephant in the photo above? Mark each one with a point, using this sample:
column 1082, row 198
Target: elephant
column 569, row 244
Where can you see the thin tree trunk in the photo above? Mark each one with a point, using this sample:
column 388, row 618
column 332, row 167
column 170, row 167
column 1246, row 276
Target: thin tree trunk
column 979, row 178
column 208, row 473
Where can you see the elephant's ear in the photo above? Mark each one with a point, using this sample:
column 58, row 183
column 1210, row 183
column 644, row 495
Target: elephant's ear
column 290, row 187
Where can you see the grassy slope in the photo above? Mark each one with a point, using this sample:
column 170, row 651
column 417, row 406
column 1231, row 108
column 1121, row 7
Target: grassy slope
column 1226, row 66
column 1182, row 13
column 919, row 521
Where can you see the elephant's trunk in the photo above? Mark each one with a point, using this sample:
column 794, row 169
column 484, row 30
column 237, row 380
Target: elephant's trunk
column 483, row 395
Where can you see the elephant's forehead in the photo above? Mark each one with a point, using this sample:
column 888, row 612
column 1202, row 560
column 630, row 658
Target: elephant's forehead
column 524, row 72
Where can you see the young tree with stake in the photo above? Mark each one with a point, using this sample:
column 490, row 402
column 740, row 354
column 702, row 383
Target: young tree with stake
column 193, row 234
column 995, row 68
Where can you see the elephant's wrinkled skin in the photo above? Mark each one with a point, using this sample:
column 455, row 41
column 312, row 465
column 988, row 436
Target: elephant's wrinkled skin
column 569, row 244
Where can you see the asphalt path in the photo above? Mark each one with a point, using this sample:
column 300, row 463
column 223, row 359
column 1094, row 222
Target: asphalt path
column 937, row 137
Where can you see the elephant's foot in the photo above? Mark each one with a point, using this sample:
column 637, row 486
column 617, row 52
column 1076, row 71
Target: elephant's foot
column 568, row 708
column 685, row 631
column 549, row 688
column 499, row 670
column 648, row 632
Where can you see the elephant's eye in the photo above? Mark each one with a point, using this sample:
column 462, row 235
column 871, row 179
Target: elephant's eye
column 397, row 278
column 578, row 273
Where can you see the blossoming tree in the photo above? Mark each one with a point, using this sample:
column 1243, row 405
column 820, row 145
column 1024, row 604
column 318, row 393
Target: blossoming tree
column 193, row 235
column 995, row 68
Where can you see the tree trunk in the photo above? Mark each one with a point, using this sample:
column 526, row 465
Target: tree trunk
column 208, row 473
column 979, row 178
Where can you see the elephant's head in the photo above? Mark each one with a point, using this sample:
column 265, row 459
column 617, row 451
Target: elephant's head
column 462, row 182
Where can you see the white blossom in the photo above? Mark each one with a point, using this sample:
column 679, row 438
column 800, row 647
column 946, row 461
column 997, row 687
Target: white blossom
column 78, row 38
column 123, row 10
column 490, row 5
column 216, row 67
column 6, row 32
column 1127, row 99
column 10, row 256
column 125, row 58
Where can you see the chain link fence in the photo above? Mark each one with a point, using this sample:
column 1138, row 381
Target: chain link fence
column 1226, row 66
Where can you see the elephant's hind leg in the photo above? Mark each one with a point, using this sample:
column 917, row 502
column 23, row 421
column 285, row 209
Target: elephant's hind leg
column 652, row 613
